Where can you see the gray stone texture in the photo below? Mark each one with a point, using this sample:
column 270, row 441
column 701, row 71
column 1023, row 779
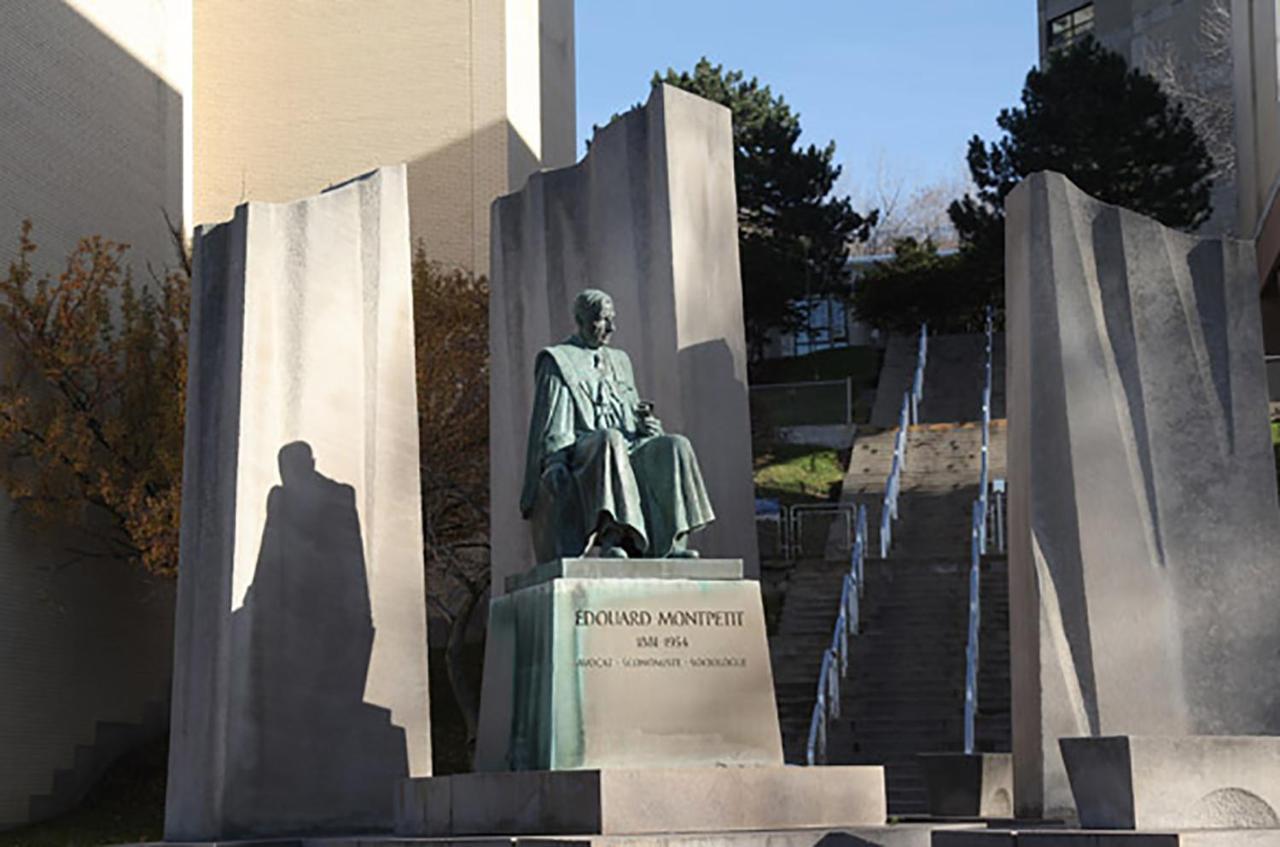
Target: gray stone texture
column 649, row 216
column 300, row 672
column 1058, row 837
column 640, row 802
column 1142, row 511
column 1188, row 782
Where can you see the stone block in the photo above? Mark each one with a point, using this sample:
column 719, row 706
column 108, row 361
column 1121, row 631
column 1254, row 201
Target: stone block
column 640, row 802
column 592, row 568
column 649, row 216
column 1114, row 838
column 300, row 670
column 1189, row 782
column 652, row 670
column 967, row 785
column 1143, row 528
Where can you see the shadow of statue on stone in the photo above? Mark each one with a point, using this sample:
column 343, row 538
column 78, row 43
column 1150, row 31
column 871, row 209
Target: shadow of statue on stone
column 307, row 627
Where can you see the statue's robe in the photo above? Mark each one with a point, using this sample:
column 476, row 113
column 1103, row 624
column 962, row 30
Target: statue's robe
column 588, row 468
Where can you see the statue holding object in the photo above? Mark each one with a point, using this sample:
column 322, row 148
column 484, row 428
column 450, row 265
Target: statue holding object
column 600, row 470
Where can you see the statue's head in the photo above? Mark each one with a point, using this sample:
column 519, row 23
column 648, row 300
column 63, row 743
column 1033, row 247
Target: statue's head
column 593, row 313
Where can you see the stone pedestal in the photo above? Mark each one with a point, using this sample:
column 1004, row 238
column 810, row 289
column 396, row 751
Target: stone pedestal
column 969, row 785
column 1143, row 524
column 638, row 802
column 300, row 668
column 607, row 663
column 1191, row 782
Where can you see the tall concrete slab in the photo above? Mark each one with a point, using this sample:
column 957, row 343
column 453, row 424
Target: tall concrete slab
column 650, row 216
column 300, row 670
column 1144, row 530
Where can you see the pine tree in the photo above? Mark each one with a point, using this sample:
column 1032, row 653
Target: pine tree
column 793, row 234
column 1110, row 129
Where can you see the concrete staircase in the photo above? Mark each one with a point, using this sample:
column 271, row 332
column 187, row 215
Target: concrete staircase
column 905, row 691
column 804, row 631
column 111, row 740
column 952, row 379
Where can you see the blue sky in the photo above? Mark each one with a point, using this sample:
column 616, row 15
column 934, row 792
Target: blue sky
column 902, row 82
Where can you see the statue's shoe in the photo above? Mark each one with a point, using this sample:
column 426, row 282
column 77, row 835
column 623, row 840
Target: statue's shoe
column 613, row 553
column 683, row 554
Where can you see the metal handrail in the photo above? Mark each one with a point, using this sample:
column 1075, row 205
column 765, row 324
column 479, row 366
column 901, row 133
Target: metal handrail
column 835, row 658
column 909, row 414
column 978, row 547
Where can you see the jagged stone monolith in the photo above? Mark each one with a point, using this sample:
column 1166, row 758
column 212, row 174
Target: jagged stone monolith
column 1144, row 531
column 649, row 216
column 300, row 671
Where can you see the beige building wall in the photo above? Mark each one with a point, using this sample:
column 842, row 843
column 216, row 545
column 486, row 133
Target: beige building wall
column 292, row 96
column 91, row 142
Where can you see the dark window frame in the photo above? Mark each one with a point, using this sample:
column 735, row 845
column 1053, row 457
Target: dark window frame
column 1074, row 29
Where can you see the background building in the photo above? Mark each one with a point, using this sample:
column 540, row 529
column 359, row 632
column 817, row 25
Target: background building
column 119, row 113
column 1187, row 46
column 1257, row 107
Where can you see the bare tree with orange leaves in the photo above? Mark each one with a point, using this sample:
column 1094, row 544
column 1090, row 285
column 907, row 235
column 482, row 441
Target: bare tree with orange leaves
column 451, row 330
column 91, row 399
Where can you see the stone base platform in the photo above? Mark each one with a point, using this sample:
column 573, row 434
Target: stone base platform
column 649, row 801
column 1175, row 783
column 1107, row 838
column 884, row 835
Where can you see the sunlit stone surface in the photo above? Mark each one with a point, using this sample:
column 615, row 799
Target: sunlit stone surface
column 300, row 677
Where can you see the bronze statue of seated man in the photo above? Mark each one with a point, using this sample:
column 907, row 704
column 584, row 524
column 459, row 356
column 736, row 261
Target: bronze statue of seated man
column 600, row 471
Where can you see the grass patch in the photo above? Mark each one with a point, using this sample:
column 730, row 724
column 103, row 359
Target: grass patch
column 127, row 805
column 799, row 473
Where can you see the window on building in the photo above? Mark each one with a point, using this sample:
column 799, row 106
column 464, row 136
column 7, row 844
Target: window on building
column 1067, row 29
column 825, row 326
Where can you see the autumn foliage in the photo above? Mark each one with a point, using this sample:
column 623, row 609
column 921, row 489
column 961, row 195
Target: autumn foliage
column 451, row 334
column 91, row 400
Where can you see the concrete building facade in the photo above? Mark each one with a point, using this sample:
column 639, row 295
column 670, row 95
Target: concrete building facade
column 1256, row 43
column 119, row 113
column 1186, row 45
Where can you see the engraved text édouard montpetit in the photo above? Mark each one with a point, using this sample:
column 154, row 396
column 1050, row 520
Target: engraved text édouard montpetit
column 673, row 617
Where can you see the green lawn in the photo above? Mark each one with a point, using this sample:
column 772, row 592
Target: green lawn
column 799, row 473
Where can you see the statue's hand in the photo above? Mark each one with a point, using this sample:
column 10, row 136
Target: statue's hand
column 649, row 426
